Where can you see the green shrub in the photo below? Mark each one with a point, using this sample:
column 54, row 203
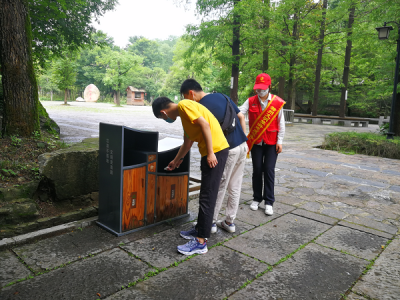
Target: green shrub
column 363, row 143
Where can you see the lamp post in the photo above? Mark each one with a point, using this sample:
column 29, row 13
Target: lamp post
column 383, row 34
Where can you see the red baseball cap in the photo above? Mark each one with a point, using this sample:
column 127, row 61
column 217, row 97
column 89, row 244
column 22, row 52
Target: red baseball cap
column 263, row 81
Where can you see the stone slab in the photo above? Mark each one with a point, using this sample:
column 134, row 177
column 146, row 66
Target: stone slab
column 395, row 188
column 11, row 269
column 333, row 212
column 259, row 217
column 6, row 242
column 366, row 229
column 314, row 216
column 53, row 252
column 314, row 272
column 103, row 274
column 353, row 296
column 245, row 214
column 160, row 250
column 382, row 280
column 289, row 199
column 310, row 172
column 214, row 275
column 275, row 240
column 351, row 179
column 358, row 243
column 373, row 224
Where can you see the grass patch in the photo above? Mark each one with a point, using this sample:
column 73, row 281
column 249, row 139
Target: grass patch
column 362, row 143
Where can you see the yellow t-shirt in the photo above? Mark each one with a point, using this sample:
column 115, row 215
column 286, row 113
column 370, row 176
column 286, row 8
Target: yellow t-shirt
column 189, row 111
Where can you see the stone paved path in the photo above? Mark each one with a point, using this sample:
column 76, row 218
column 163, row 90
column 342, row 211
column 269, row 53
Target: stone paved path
column 334, row 233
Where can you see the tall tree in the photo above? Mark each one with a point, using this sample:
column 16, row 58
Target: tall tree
column 319, row 59
column 64, row 73
column 18, row 76
column 346, row 69
column 118, row 64
column 224, row 29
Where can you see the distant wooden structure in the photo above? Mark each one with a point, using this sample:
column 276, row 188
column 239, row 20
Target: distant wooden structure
column 135, row 96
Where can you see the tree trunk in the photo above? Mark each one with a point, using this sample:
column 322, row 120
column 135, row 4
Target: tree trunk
column 319, row 59
column 118, row 103
column 65, row 96
column 265, row 52
column 281, row 91
column 235, row 54
column 291, row 103
column 346, row 69
column 396, row 124
column 18, row 76
column 51, row 95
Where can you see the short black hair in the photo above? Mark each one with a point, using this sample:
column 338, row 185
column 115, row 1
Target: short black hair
column 159, row 104
column 190, row 84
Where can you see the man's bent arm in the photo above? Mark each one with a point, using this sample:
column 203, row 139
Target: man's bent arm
column 206, row 130
column 183, row 150
column 242, row 120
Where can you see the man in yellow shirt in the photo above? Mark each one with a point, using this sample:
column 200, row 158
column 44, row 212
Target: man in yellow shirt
column 200, row 126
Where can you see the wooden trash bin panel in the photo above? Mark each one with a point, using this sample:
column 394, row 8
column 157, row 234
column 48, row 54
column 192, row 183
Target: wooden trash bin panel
column 134, row 192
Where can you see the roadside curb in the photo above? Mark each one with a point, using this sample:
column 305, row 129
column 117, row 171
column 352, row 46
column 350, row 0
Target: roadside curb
column 47, row 232
column 55, row 230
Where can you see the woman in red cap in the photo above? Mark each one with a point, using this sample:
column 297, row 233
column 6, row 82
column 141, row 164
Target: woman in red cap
column 267, row 129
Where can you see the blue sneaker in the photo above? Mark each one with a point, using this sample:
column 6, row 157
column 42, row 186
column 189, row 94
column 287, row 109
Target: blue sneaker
column 189, row 234
column 192, row 247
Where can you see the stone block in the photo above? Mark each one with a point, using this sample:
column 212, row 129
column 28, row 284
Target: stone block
column 26, row 190
column 314, row 272
column 94, row 196
column 382, row 280
column 372, row 224
column 317, row 121
column 18, row 211
column 160, row 250
column 278, row 238
column 11, row 269
column 103, row 274
column 214, row 275
column 358, row 243
column 314, row 216
column 72, row 171
column 366, row 229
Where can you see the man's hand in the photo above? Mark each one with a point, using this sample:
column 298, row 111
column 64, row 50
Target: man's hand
column 278, row 148
column 172, row 165
column 212, row 160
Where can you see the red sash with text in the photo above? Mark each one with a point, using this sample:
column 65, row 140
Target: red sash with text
column 264, row 120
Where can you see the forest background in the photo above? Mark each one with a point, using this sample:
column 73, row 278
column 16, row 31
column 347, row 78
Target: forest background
column 314, row 51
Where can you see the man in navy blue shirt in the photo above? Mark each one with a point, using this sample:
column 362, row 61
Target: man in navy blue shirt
column 234, row 167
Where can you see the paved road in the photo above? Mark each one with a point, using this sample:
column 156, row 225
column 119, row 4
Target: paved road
column 335, row 232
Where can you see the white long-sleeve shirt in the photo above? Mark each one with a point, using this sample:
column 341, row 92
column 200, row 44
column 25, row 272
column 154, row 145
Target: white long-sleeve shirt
column 281, row 119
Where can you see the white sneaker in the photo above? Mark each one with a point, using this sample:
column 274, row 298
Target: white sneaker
column 254, row 205
column 230, row 228
column 213, row 228
column 268, row 210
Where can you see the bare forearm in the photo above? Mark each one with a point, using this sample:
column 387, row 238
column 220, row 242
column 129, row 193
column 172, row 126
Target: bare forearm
column 242, row 121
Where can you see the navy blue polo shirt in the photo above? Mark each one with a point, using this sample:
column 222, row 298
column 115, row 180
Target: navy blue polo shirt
column 216, row 103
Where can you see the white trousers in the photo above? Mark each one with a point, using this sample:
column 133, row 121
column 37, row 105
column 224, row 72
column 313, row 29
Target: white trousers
column 231, row 181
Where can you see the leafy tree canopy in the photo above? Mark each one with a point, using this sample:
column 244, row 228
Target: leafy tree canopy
column 59, row 25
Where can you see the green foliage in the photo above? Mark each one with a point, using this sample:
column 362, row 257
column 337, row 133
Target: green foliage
column 62, row 25
column 64, row 71
column 15, row 141
column 363, row 143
